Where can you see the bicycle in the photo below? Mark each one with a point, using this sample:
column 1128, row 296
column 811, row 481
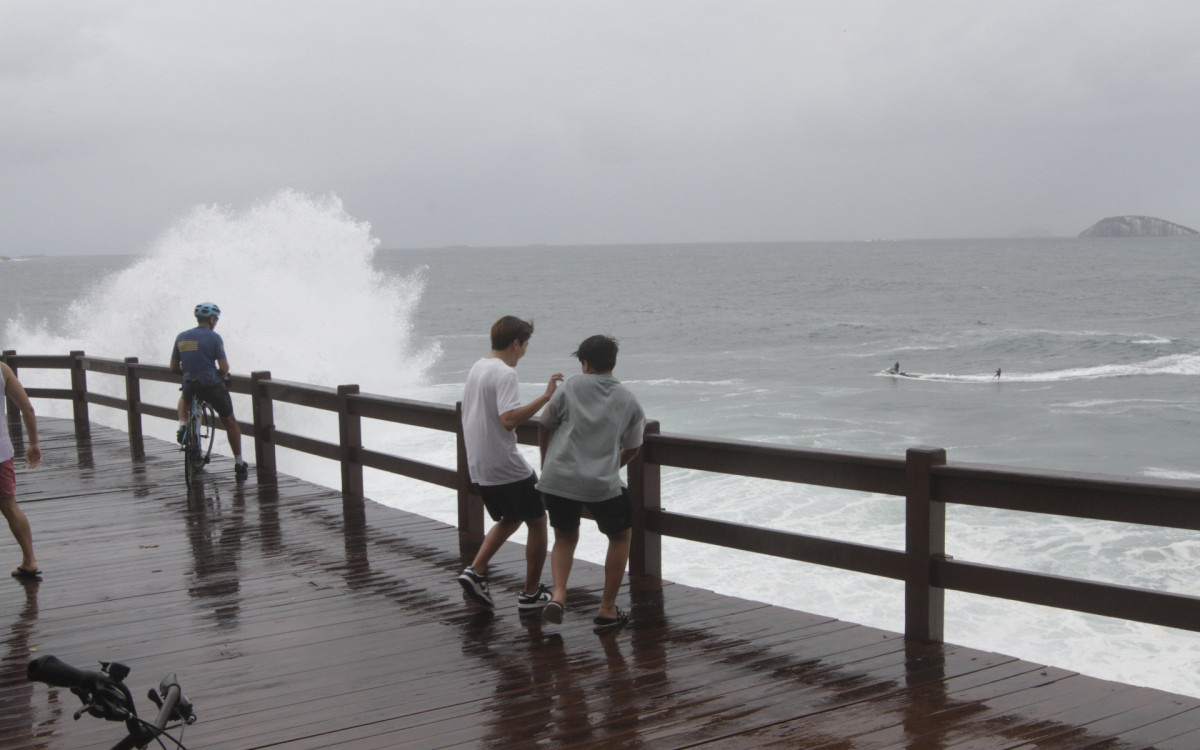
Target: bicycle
column 105, row 696
column 199, row 430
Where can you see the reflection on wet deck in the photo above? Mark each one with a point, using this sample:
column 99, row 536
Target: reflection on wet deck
column 295, row 623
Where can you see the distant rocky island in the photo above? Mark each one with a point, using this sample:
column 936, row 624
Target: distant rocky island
column 1136, row 226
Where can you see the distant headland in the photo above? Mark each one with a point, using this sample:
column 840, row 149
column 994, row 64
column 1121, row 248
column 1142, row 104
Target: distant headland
column 1136, row 226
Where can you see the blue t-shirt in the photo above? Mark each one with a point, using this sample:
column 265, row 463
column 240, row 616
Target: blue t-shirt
column 197, row 351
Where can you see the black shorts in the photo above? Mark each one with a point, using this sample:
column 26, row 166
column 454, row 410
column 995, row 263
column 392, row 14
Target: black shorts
column 516, row 501
column 613, row 515
column 217, row 395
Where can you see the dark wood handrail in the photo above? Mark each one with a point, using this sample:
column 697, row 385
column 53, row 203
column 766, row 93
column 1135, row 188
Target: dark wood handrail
column 923, row 478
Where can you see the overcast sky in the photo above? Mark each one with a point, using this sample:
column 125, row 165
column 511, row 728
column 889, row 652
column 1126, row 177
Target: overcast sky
column 449, row 122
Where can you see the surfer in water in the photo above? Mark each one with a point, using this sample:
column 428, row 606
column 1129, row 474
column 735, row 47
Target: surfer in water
column 997, row 375
column 896, row 368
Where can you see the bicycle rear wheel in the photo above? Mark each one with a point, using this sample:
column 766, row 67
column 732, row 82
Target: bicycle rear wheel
column 191, row 450
column 208, row 429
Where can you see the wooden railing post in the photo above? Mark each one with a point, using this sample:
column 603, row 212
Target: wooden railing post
column 263, row 409
column 925, row 542
column 470, row 506
column 10, row 407
column 133, row 409
column 645, row 489
column 350, row 446
column 79, row 399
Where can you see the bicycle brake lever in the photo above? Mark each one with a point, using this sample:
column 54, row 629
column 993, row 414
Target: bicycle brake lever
column 185, row 710
column 101, row 711
column 153, row 696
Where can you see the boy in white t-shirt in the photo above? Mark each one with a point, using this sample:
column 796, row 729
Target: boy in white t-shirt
column 491, row 412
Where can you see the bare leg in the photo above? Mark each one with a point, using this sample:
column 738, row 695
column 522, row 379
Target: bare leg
column 233, row 433
column 19, row 525
column 496, row 537
column 182, row 410
column 535, row 553
column 561, row 559
column 614, row 571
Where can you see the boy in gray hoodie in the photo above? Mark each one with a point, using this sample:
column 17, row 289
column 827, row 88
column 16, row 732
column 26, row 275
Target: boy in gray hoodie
column 591, row 427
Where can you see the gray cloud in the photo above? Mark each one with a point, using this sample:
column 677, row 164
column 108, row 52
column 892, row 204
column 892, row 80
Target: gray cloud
column 592, row 122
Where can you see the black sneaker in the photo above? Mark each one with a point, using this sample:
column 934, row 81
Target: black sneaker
column 180, row 433
column 535, row 601
column 475, row 586
column 241, row 470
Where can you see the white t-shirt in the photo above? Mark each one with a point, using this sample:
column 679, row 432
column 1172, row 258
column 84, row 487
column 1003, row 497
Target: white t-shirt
column 492, row 454
column 6, row 446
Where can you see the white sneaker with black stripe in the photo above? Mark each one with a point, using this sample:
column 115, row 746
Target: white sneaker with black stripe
column 475, row 586
column 534, row 602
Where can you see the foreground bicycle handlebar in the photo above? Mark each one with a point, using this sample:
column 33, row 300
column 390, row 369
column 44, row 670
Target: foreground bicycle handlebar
column 105, row 696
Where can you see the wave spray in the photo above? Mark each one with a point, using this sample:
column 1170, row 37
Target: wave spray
column 293, row 276
column 299, row 296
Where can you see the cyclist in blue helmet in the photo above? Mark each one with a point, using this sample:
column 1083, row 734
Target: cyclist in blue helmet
column 199, row 356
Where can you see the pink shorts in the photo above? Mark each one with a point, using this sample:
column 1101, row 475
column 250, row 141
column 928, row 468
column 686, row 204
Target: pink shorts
column 8, row 479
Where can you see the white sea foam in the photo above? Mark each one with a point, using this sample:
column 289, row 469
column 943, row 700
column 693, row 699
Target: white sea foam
column 675, row 381
column 1104, row 402
column 1161, row 473
column 1173, row 364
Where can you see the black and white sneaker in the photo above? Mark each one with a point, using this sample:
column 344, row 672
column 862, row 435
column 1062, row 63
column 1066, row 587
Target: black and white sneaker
column 241, row 470
column 475, row 586
column 180, row 433
column 534, row 602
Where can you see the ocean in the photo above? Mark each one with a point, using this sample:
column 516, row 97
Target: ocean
column 783, row 342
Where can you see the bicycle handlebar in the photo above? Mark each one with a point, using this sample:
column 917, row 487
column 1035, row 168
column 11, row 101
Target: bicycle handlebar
column 54, row 671
column 173, row 702
column 105, row 696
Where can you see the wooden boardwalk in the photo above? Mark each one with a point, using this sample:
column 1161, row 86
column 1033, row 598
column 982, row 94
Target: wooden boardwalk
column 293, row 625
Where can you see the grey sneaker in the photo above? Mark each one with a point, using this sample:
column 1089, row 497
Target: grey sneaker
column 535, row 601
column 475, row 586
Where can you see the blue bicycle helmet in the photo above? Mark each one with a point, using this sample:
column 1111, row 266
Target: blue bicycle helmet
column 207, row 310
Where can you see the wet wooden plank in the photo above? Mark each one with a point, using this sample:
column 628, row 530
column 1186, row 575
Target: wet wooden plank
column 293, row 624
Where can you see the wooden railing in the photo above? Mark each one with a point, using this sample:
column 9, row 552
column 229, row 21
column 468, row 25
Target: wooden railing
column 923, row 478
